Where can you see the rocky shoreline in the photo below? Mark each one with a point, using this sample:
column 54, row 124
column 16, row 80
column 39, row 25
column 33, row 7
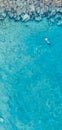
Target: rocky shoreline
column 25, row 10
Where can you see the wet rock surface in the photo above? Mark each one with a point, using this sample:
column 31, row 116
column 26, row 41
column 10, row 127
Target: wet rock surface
column 25, row 10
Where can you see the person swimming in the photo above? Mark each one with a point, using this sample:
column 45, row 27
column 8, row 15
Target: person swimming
column 47, row 40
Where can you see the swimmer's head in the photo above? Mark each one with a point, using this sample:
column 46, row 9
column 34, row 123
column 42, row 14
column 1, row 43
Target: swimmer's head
column 46, row 39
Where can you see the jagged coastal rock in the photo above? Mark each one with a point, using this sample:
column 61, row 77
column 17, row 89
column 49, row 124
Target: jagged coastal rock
column 32, row 10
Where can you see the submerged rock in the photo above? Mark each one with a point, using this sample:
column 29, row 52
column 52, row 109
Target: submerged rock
column 59, row 23
column 38, row 18
column 25, row 17
column 52, row 21
column 1, row 119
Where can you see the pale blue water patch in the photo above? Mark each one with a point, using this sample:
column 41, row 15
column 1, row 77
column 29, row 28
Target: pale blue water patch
column 30, row 76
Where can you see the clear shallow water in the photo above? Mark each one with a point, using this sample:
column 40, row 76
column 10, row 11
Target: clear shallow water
column 30, row 76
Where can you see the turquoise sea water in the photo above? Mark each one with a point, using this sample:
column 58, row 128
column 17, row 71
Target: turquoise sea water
column 30, row 76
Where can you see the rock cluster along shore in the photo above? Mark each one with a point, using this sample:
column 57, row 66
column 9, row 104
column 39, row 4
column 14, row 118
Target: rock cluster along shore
column 32, row 9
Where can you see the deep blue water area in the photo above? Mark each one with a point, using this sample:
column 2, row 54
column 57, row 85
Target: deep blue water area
column 30, row 76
